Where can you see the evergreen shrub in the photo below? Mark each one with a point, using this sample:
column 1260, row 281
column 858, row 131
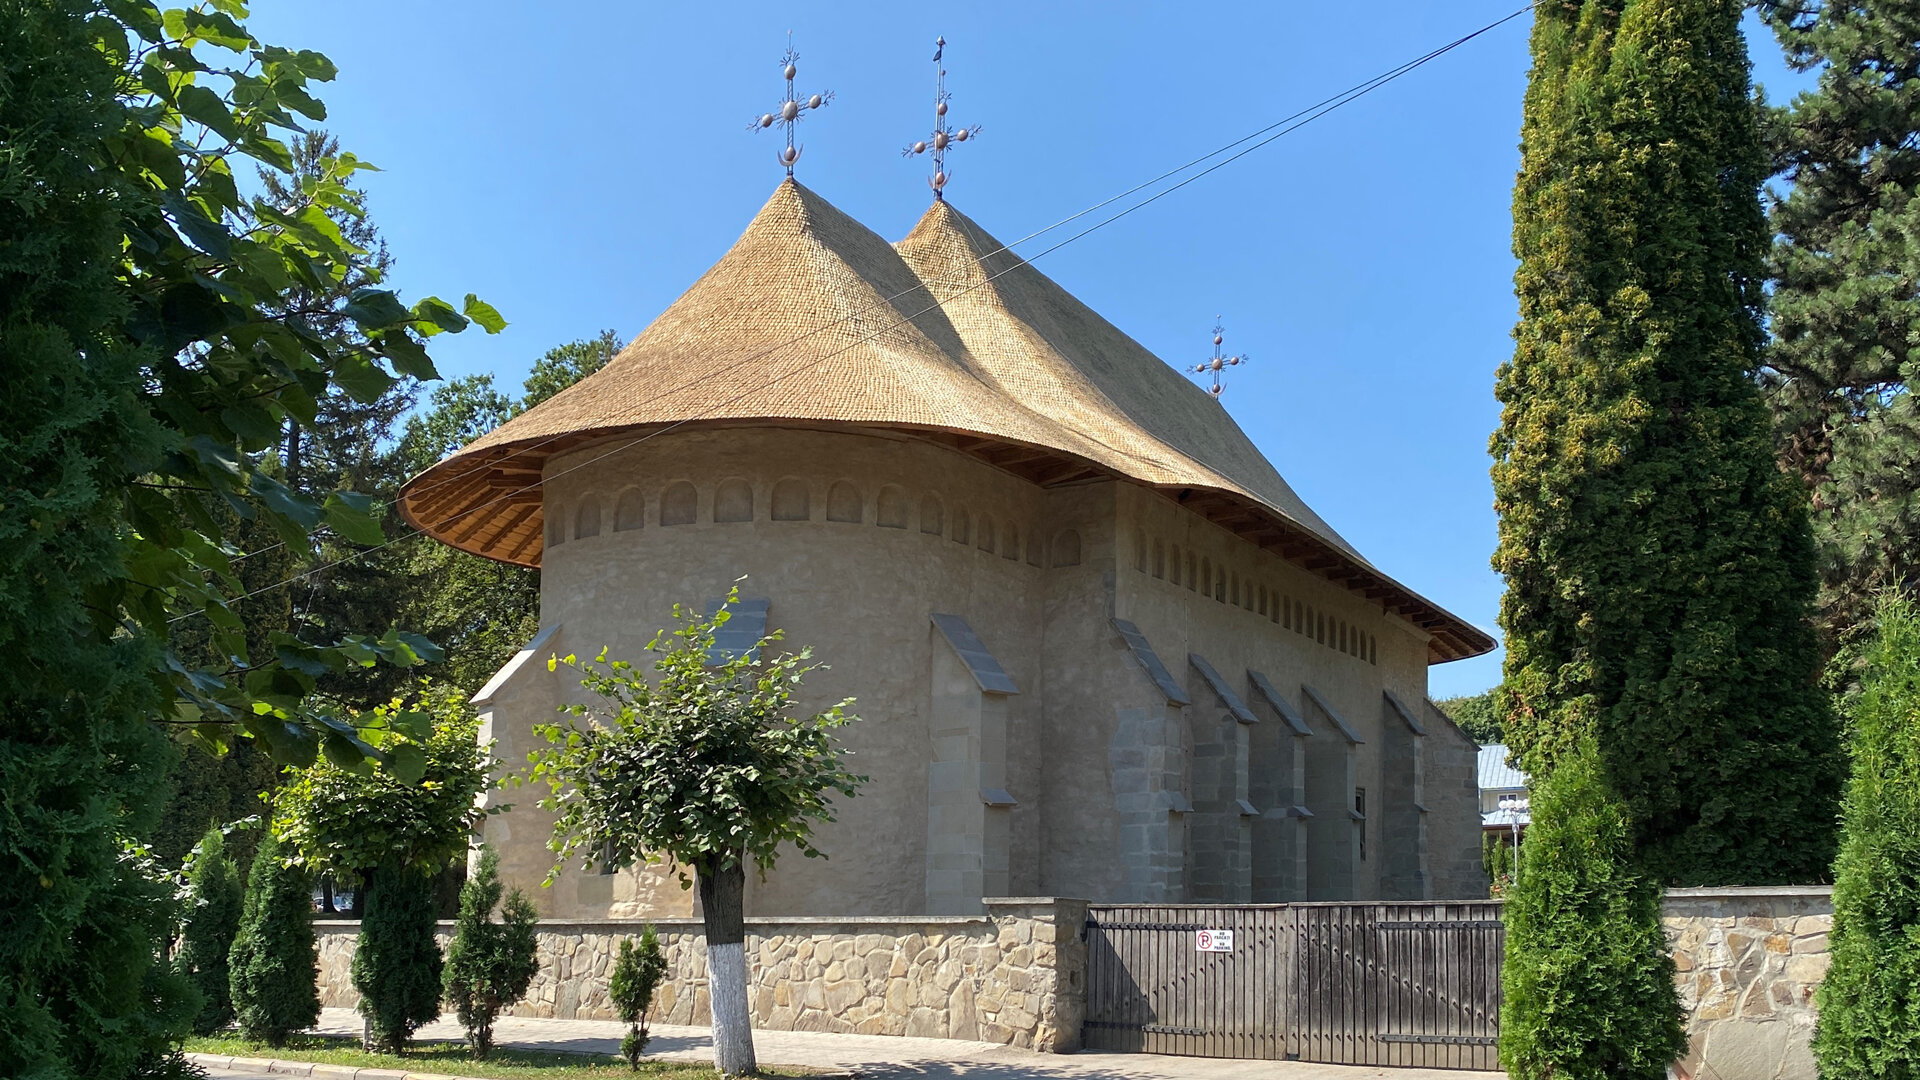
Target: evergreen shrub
column 1869, row 1002
column 275, row 962
column 489, row 964
column 637, row 973
column 214, row 901
column 397, row 965
column 1588, row 981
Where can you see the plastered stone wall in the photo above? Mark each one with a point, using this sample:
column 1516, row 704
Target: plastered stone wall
column 1748, row 962
column 1014, row 976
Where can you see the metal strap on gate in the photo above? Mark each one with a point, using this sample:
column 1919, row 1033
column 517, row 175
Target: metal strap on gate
column 1443, row 1040
column 1446, row 924
column 1093, row 924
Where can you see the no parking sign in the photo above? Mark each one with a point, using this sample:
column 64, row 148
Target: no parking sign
column 1213, row 940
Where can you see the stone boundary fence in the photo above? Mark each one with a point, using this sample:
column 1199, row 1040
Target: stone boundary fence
column 1748, row 961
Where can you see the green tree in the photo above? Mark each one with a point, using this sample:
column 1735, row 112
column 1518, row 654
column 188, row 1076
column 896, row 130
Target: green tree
column 1869, row 1002
column 275, row 962
column 637, row 973
column 215, row 898
column 396, row 961
column 1588, row 982
column 490, row 964
column 1845, row 308
column 1659, row 564
column 1477, row 714
column 709, row 768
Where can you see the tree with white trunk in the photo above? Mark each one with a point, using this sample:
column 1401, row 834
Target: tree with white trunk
column 707, row 766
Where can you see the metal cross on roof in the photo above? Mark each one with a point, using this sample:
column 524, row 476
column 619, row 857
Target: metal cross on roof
column 791, row 108
column 1218, row 363
column 943, row 136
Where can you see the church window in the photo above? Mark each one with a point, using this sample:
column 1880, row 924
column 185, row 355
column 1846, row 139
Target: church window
column 932, row 515
column 733, row 501
column 843, row 503
column 1066, row 548
column 677, row 503
column 891, row 509
column 557, row 527
column 1139, row 551
column 986, row 533
column 586, row 520
column 1159, row 559
column 1033, row 549
column 630, row 512
column 1010, row 542
column 790, row 501
column 962, row 526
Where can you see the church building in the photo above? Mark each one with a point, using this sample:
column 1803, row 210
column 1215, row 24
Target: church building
column 1099, row 647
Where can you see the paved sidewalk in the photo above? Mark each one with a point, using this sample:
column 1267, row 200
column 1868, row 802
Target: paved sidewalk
column 883, row 1057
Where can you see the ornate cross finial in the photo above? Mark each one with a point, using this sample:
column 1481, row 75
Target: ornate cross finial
column 791, row 108
column 1218, row 363
column 942, row 135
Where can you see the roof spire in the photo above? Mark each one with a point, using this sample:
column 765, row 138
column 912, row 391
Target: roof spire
column 942, row 135
column 1218, row 363
column 791, row 108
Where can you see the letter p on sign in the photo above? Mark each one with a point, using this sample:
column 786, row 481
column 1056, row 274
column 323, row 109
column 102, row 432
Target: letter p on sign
column 1213, row 940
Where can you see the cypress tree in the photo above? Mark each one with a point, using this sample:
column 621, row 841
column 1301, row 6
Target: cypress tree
column 275, row 963
column 1869, row 1002
column 1659, row 563
column 397, row 964
column 1846, row 291
column 490, row 964
column 214, row 898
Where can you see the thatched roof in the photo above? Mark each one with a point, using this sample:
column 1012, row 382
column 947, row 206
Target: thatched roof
column 811, row 318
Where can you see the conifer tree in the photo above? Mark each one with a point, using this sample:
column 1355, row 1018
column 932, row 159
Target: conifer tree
column 396, row 963
column 214, row 899
column 1659, row 563
column 275, row 963
column 490, row 964
column 637, row 973
column 1845, row 309
column 1869, row 1002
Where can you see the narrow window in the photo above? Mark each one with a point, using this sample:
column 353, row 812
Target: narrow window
column 1206, row 577
column 733, row 501
column 1263, row 599
column 1192, row 581
column 1139, row 551
column 791, row 501
column 1233, row 589
column 1159, row 559
column 962, row 526
column 986, row 533
column 677, row 503
column 1360, row 808
column 1220, row 585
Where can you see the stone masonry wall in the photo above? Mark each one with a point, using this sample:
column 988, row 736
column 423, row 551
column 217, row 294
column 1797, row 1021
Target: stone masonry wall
column 1013, row 976
column 1748, row 960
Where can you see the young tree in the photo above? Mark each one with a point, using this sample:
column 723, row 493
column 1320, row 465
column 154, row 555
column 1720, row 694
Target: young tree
column 636, row 975
column 214, row 901
column 490, row 964
column 392, row 825
column 275, row 962
column 1658, row 561
column 1869, row 1002
column 1845, row 308
column 1587, row 977
column 708, row 767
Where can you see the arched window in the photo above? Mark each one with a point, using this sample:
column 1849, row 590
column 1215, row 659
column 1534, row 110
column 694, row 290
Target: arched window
column 1010, row 542
column 843, row 503
column 1159, row 559
column 1233, row 589
column 1139, row 551
column 586, row 520
column 1206, row 577
column 556, row 525
column 932, row 514
column 891, row 509
column 678, row 503
column 733, row 501
column 1066, row 548
column 1192, row 581
column 962, row 526
column 790, row 502
column 986, row 533
column 1262, row 589
column 630, row 512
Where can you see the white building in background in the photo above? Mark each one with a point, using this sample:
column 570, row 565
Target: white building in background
column 1503, row 792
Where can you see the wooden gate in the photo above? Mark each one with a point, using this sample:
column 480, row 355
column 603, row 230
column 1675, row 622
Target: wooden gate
column 1364, row 984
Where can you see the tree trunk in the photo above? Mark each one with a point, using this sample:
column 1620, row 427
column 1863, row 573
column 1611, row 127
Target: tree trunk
column 723, row 902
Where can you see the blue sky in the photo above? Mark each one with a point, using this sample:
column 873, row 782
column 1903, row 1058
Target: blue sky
column 580, row 165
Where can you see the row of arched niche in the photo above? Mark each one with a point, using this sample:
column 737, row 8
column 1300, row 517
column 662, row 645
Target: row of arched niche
column 1199, row 573
column 792, row 500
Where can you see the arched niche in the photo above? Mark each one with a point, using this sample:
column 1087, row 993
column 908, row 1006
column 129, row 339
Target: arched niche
column 1010, row 541
column 791, row 501
column 1139, row 551
column 843, row 503
column 556, row 525
column 962, row 526
column 733, row 500
column 1066, row 548
column 986, row 533
column 586, row 520
column 630, row 512
column 933, row 518
column 679, row 504
column 890, row 510
column 1035, row 556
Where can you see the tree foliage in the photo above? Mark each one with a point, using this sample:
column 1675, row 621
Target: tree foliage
column 1479, row 715
column 397, row 967
column 1588, row 983
column 1659, row 563
column 215, row 898
column 275, row 963
column 1845, row 307
column 490, row 964
column 637, row 973
column 1869, row 1001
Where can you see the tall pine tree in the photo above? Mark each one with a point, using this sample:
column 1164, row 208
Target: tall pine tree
column 1846, row 291
column 1659, row 563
